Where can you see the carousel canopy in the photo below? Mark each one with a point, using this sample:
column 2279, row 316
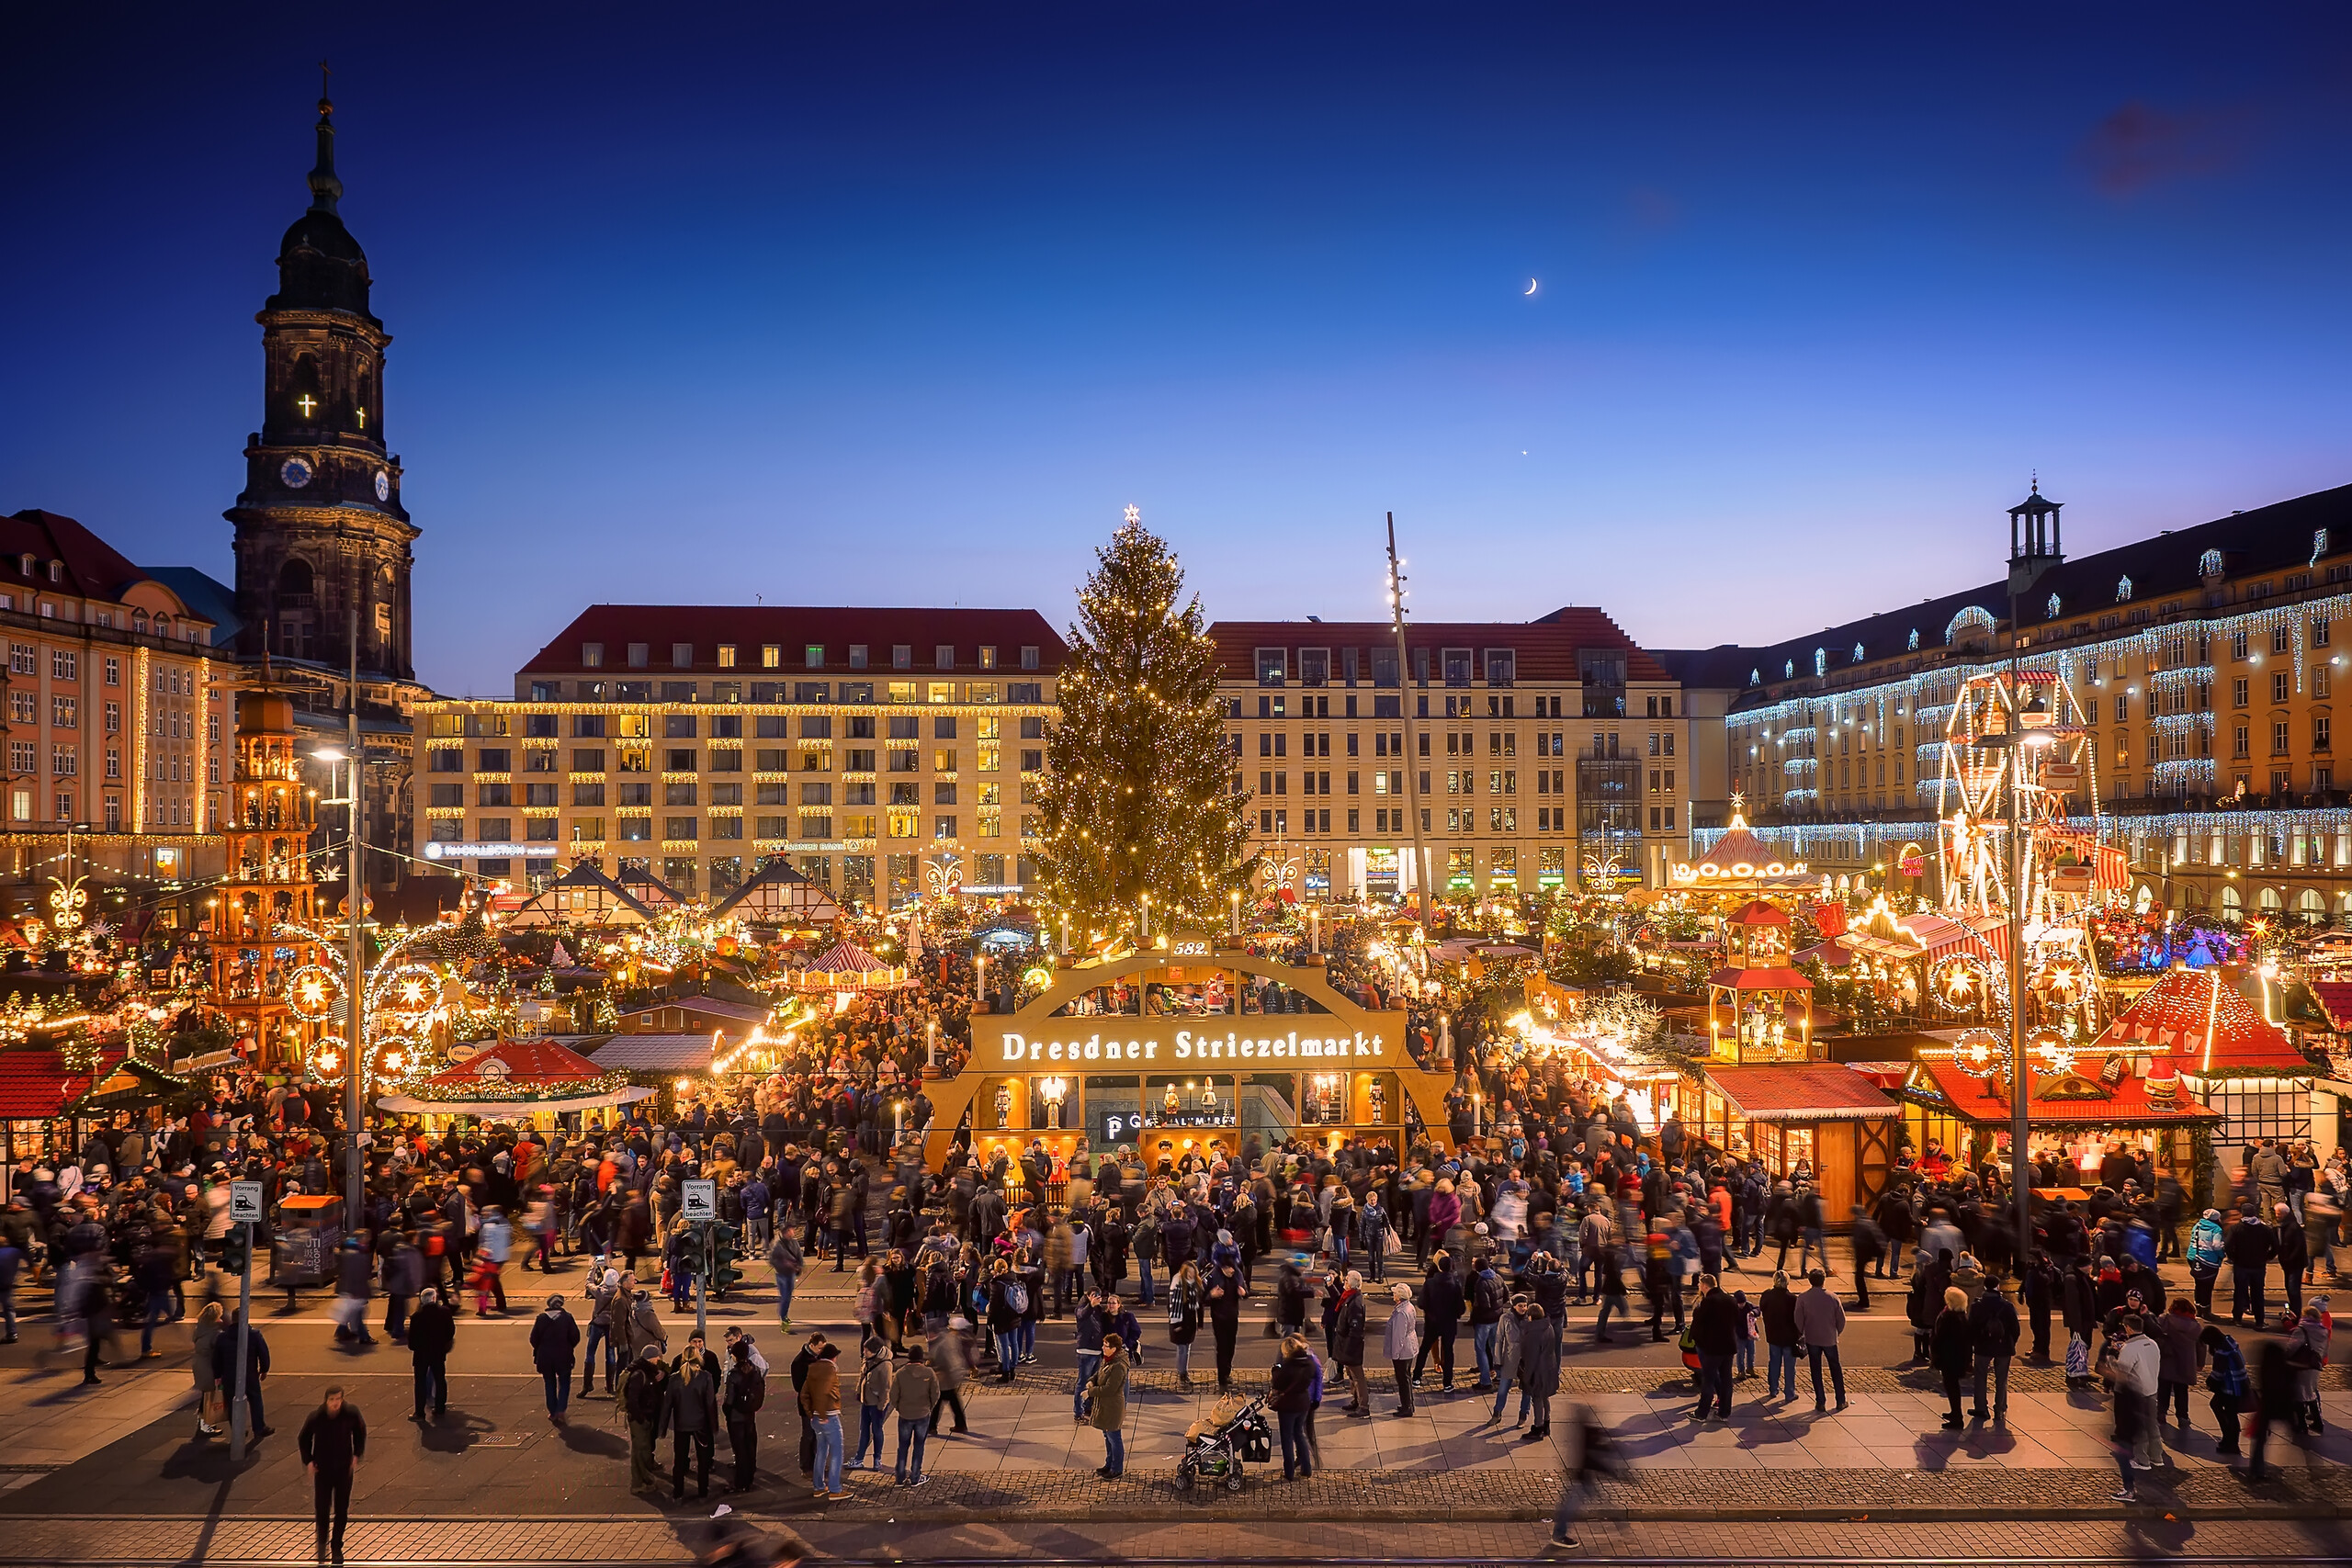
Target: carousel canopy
column 778, row 896
column 516, row 1076
column 1740, row 862
column 845, row 967
column 582, row 895
column 2201, row 1018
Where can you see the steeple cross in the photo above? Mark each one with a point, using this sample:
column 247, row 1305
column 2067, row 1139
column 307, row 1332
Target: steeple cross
column 308, row 404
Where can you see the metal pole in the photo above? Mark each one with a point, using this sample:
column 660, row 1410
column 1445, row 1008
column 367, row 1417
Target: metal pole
column 238, row 1414
column 702, row 1284
column 355, row 1113
column 1404, row 713
column 2020, row 1075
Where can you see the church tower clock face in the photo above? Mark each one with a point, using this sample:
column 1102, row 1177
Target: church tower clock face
column 296, row 472
column 383, row 485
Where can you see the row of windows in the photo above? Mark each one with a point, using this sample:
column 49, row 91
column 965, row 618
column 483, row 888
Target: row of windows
column 807, row 826
column 728, row 656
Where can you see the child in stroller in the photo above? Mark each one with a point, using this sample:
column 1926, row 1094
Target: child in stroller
column 1215, row 1448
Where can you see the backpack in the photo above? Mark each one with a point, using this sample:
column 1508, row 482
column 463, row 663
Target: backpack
column 1016, row 1296
column 755, row 1389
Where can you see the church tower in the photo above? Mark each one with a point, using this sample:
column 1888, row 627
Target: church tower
column 320, row 526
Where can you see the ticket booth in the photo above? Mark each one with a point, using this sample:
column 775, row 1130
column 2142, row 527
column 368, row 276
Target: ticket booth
column 1196, row 1050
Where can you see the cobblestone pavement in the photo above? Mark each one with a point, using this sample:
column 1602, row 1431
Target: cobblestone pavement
column 1436, row 1544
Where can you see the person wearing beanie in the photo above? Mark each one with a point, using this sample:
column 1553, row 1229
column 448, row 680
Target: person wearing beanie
column 555, row 1343
column 1347, row 1342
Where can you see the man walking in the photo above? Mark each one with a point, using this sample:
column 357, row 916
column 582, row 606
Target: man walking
column 432, row 1332
column 554, row 1339
column 333, row 1440
column 914, row 1395
column 1821, row 1318
column 1993, row 1328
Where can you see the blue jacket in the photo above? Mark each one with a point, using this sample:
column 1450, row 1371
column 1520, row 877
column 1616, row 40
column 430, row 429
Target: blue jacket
column 2205, row 1244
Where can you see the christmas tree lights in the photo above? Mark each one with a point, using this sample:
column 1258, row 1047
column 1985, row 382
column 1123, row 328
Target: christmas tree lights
column 1140, row 799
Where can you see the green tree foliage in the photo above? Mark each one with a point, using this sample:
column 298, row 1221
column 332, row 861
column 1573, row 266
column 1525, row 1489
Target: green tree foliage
column 1140, row 796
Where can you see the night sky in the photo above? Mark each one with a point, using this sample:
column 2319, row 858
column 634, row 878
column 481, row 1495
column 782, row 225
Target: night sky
column 897, row 304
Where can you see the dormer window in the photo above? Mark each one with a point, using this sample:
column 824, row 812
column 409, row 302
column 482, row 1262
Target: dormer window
column 25, row 565
column 2050, row 610
column 2209, row 564
column 2122, row 589
column 57, row 572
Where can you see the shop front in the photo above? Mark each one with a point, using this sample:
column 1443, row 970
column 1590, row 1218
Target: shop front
column 1213, row 1052
column 1819, row 1120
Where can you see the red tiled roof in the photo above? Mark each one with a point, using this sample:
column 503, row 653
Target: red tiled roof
column 2201, row 1018
column 1756, row 912
column 1546, row 649
column 794, row 628
column 93, row 568
column 35, row 1084
column 1794, row 1090
column 1774, row 979
column 538, row 1061
column 1979, row 1100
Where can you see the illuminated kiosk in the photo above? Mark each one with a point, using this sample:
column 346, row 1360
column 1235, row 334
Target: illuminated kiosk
column 1171, row 1052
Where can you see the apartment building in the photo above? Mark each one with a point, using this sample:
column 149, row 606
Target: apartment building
column 1530, row 750
column 2201, row 661
column 884, row 752
column 115, row 717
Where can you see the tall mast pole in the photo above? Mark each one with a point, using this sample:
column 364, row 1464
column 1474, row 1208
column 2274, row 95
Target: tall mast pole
column 2020, row 1075
column 355, row 1112
column 1405, row 712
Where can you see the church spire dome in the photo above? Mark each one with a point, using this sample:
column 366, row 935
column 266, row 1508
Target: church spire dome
column 325, row 190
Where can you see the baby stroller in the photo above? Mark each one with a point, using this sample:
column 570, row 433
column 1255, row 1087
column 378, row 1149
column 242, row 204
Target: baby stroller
column 1216, row 1448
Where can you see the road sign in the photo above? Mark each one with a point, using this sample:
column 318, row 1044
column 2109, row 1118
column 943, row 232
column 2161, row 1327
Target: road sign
column 244, row 1202
column 702, row 1201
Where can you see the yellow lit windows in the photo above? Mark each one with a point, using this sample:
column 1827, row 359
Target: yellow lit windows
column 816, row 759
column 992, row 758
column 634, row 759
column 633, row 726
column 991, row 824
column 726, row 656
column 906, row 692
column 990, row 727
column 771, row 656
column 858, row 825
column 991, row 795
column 944, row 760
column 906, row 824
column 943, row 691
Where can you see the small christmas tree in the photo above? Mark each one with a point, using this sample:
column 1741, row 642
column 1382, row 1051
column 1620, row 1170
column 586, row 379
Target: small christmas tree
column 1142, row 797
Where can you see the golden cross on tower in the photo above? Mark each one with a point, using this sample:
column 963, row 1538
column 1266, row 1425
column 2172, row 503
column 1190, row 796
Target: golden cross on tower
column 307, row 403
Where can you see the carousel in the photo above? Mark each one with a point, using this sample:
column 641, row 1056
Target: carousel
column 532, row 1082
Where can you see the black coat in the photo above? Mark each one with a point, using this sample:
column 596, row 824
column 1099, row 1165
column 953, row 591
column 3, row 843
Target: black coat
column 554, row 1338
column 1951, row 1342
column 432, row 1331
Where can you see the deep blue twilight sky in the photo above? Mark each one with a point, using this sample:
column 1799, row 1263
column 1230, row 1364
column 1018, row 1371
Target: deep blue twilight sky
column 896, row 303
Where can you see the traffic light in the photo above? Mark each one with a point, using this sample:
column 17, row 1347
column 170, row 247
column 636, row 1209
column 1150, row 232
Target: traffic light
column 724, row 1274
column 232, row 1250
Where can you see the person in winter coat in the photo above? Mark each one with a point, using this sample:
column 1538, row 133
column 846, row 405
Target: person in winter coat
column 644, row 1392
column 1951, row 1349
column 2250, row 1246
column 2180, row 1355
column 1292, row 1396
column 1109, row 1413
column 1226, row 1290
column 1778, row 1308
column 690, row 1415
column 555, row 1341
column 224, row 1372
column 745, row 1392
column 1347, row 1342
column 432, row 1333
column 1402, row 1342
column 2307, row 1345
column 2078, row 1310
column 2206, row 1254
column 1821, row 1319
column 1539, row 1375
column 1441, row 1303
column 333, row 1442
column 1992, row 1331
column 1714, row 1330
column 915, row 1394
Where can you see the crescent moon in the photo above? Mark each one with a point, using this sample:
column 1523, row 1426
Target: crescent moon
column 1530, row 286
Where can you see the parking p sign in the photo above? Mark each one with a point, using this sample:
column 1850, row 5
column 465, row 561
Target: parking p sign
column 701, row 1200
column 244, row 1202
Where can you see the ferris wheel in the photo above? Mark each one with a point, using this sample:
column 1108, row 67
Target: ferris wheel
column 2027, row 721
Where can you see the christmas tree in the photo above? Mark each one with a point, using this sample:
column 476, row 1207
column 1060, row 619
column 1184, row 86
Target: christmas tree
column 1142, row 798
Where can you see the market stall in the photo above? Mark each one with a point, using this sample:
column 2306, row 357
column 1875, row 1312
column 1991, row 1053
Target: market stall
column 1204, row 1048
